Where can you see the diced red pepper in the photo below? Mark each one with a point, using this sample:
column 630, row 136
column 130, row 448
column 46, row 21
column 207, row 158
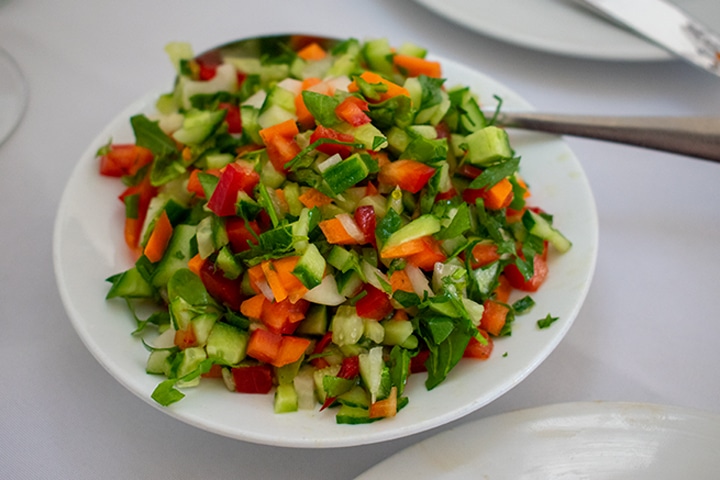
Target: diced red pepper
column 350, row 367
column 133, row 224
column 234, row 178
column 240, row 232
column 332, row 148
column 232, row 117
column 124, row 159
column 417, row 363
column 253, row 379
column 220, row 287
column 375, row 304
column 366, row 221
column 409, row 175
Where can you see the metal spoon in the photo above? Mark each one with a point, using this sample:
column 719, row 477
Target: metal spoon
column 692, row 136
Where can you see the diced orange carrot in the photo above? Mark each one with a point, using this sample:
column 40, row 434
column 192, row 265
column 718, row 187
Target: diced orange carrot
column 312, row 52
column 429, row 256
column 405, row 249
column 273, row 280
column 159, row 238
column 371, row 189
column 416, row 66
column 314, row 198
column 335, row 232
column 280, row 143
column 257, row 277
column 195, row 264
column 393, row 89
column 499, row 195
column 399, row 280
column 291, row 349
column 386, row 407
column 253, row 306
column 264, row 345
column 305, row 118
column 294, row 287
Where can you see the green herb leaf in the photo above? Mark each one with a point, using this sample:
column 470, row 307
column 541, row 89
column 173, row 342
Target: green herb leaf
column 547, row 321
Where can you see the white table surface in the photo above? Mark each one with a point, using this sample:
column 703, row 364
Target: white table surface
column 648, row 332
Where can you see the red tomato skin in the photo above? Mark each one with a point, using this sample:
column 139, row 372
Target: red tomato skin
column 253, row 379
column 374, row 305
column 516, row 279
column 477, row 350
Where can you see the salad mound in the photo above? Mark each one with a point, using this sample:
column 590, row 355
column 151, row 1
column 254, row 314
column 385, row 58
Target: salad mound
column 323, row 223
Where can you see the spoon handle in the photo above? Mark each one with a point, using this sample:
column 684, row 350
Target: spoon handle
column 693, row 136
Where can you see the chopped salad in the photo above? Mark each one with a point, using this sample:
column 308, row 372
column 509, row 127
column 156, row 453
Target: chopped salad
column 322, row 223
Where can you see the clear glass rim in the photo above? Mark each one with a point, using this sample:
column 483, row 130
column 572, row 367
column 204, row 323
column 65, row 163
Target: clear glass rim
column 13, row 95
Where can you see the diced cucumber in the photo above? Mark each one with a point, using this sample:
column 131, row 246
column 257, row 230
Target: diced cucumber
column 177, row 254
column 355, row 397
column 211, row 235
column 398, row 140
column 202, row 325
column 130, row 284
column 347, row 326
column 304, row 387
column 310, row 269
column 231, row 268
column 287, row 373
column 378, row 54
column 487, row 145
column 190, row 360
column 412, row 50
column 353, row 415
column 158, row 362
column 373, row 330
column 280, row 97
column 335, row 386
column 286, row 398
column 273, row 115
column 249, row 117
column 345, row 174
column 315, row 321
column 397, row 331
column 367, row 134
column 198, row 126
column 319, row 375
column 227, row 344
column 422, row 226
column 540, row 227
column 371, row 368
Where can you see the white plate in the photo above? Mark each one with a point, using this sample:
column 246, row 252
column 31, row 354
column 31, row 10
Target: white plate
column 89, row 247
column 560, row 26
column 569, row 441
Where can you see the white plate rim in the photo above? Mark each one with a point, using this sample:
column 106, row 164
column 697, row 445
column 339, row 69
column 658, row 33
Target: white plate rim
column 78, row 235
column 618, row 45
column 564, row 440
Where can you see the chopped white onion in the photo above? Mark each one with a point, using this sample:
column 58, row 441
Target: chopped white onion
column 329, row 162
column 418, row 280
column 351, row 227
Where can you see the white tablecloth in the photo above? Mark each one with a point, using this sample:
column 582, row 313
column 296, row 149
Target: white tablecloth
column 648, row 332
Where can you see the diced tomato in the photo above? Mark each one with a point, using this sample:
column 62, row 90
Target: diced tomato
column 352, row 110
column 234, row 179
column 375, row 304
column 283, row 317
column 442, row 130
column 214, row 372
column 124, row 159
column 240, row 232
column 232, row 117
column 409, row 175
column 494, row 317
column 446, row 195
column 220, row 287
column 366, row 221
column 475, row 349
column 253, row 379
column 332, row 148
column 540, row 271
